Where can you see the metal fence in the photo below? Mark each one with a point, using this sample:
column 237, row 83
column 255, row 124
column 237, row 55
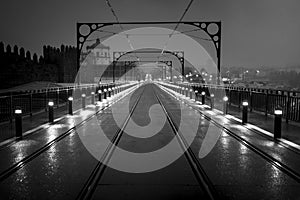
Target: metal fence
column 37, row 101
column 262, row 100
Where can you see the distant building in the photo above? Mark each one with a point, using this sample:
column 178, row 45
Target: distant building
column 98, row 54
column 95, row 63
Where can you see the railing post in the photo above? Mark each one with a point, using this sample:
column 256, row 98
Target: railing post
column 46, row 98
column 30, row 104
column 287, row 107
column 251, row 101
column 229, row 94
column 239, row 99
column 11, row 109
column 266, row 102
column 57, row 96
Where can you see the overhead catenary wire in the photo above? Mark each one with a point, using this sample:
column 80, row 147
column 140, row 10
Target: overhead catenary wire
column 118, row 21
column 181, row 18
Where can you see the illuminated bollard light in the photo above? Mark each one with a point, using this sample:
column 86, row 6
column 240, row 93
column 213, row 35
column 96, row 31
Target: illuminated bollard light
column 186, row 92
column 225, row 101
column 182, row 90
column 109, row 92
column 212, row 101
column 113, row 91
column 18, row 123
column 105, row 90
column 51, row 111
column 196, row 95
column 245, row 112
column 70, row 102
column 92, row 98
column 203, row 97
column 100, row 95
column 191, row 94
column 83, row 101
column 277, row 123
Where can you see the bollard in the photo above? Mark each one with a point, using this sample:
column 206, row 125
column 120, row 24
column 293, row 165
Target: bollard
column 186, row 92
column 109, row 92
column 191, row 94
column 105, row 90
column 182, row 90
column 113, row 91
column 18, row 121
column 70, row 99
column 51, row 111
column 203, row 97
column 83, row 101
column 92, row 98
column 99, row 95
column 225, row 101
column 212, row 101
column 245, row 112
column 277, row 123
column 196, row 95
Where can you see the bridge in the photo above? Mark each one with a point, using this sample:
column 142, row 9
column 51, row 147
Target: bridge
column 147, row 139
column 149, row 128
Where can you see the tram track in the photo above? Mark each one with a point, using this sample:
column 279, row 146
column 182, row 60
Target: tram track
column 198, row 170
column 275, row 162
column 91, row 184
column 96, row 175
column 26, row 160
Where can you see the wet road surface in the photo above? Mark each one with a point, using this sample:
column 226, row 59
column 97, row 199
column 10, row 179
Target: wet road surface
column 61, row 172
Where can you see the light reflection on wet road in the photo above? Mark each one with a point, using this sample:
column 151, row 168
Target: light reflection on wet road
column 59, row 173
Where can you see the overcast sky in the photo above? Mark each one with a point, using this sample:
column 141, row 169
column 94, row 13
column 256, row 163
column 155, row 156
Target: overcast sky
column 254, row 32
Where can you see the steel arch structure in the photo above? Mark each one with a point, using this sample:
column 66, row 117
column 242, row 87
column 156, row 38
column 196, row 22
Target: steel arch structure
column 130, row 62
column 202, row 25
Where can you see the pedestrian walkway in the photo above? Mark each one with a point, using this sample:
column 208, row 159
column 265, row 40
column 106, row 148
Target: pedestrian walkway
column 290, row 131
column 34, row 123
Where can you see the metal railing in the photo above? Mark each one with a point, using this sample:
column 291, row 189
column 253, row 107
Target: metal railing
column 37, row 101
column 262, row 100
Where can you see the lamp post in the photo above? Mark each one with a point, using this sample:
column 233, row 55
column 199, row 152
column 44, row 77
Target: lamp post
column 51, row 111
column 18, row 122
column 93, row 97
column 196, row 95
column 277, row 123
column 212, row 101
column 191, row 93
column 245, row 112
column 105, row 90
column 203, row 97
column 70, row 102
column 225, row 101
column 100, row 95
column 83, row 101
column 109, row 92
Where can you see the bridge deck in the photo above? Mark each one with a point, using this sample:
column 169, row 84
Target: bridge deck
column 223, row 160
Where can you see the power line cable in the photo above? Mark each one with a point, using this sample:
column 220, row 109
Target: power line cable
column 181, row 18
